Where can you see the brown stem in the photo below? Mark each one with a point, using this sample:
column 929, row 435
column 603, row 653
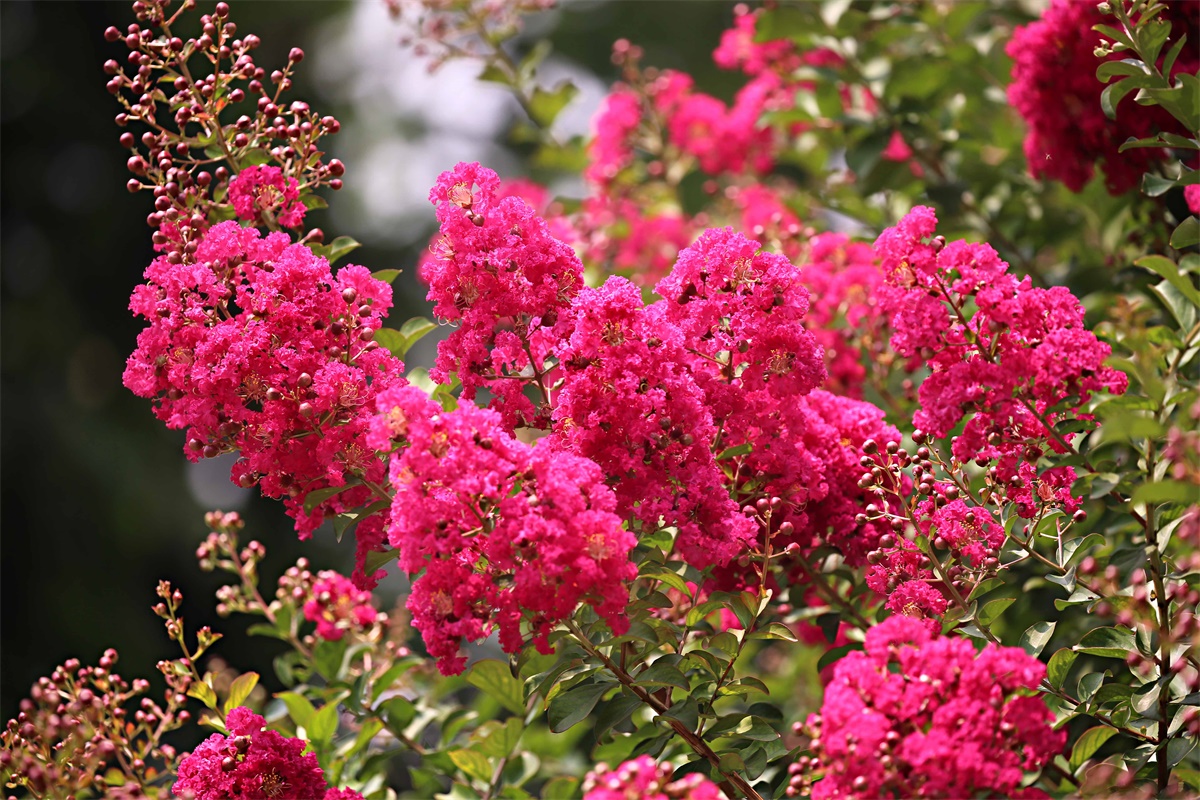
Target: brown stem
column 733, row 782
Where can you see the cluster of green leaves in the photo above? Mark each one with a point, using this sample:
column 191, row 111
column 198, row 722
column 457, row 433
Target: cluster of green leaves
column 938, row 74
column 1142, row 33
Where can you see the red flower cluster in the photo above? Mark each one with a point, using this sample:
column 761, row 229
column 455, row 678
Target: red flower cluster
column 498, row 272
column 501, row 532
column 255, row 346
column 261, row 193
column 253, row 763
column 1054, row 87
column 643, row 779
column 1014, row 366
column 843, row 280
column 338, row 606
column 690, row 405
column 917, row 715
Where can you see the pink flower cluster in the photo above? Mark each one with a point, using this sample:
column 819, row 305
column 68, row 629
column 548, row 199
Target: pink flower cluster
column 498, row 272
column 260, row 193
column 503, row 535
column 254, row 346
column 1008, row 360
column 1054, row 87
column 338, row 606
column 903, row 574
column 629, row 403
column 253, row 763
column 656, row 394
column 916, row 715
column 642, row 778
column 834, row 433
column 843, row 279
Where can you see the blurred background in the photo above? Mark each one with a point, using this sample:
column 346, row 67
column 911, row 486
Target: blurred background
column 98, row 502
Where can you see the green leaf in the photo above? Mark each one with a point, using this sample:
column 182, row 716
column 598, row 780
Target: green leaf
column 204, row 693
column 686, row 713
column 983, row 587
column 389, row 678
column 1059, row 666
column 386, row 275
column 475, row 764
column 341, row 247
column 314, row 202
column 663, row 673
column 240, row 689
column 776, row 630
column 1165, row 492
column 1177, row 750
column 1089, row 683
column 835, row 654
column 495, row 679
column 746, row 685
column 1035, row 637
column 1172, row 54
column 391, row 339
column 917, row 78
column 545, row 105
column 1156, row 185
column 784, row 22
column 1126, row 66
column 1184, row 312
column 398, row 712
column 497, row 739
column 614, row 712
column 1113, row 94
column 1087, row 744
column 571, row 706
column 560, row 787
column 300, row 709
column 328, row 658
column 379, row 559
column 668, row 577
column 1168, row 269
column 992, row 610
column 263, row 629
column 318, row 496
column 756, row 729
column 256, row 157
column 1145, row 697
column 731, row 762
column 324, row 724
column 1078, row 545
column 415, row 329
column 1107, row 642
column 737, row 450
column 1186, row 234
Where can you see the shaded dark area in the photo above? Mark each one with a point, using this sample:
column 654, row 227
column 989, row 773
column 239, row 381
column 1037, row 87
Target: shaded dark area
column 96, row 506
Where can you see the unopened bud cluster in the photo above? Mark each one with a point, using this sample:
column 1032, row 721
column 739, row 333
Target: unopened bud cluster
column 82, row 726
column 201, row 129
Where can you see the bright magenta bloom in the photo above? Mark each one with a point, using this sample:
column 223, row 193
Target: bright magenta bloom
column 337, row 606
column 1054, row 87
column 917, row 715
column 1019, row 362
column 503, row 535
column 252, row 763
column 254, row 346
column 258, row 191
column 643, row 779
column 499, row 273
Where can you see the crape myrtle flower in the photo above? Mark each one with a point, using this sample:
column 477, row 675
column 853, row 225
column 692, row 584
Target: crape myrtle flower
column 501, row 534
column 919, row 715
